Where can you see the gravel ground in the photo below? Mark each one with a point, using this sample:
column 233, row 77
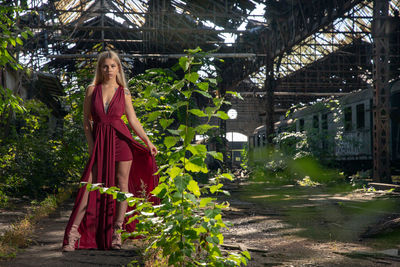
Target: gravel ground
column 269, row 228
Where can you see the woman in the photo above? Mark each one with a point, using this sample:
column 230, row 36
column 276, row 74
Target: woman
column 115, row 160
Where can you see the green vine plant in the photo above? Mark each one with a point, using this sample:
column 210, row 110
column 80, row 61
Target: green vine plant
column 11, row 36
column 298, row 156
column 185, row 229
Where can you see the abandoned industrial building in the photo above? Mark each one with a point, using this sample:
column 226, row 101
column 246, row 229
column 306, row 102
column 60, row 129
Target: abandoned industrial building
column 291, row 92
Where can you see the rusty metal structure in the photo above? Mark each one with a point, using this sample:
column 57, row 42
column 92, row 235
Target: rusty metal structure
column 277, row 53
column 381, row 113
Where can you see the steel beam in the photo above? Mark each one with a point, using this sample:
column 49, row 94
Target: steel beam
column 269, row 85
column 135, row 30
column 156, row 55
column 381, row 111
column 292, row 93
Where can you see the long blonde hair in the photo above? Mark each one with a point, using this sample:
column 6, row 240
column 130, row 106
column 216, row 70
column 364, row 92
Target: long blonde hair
column 98, row 77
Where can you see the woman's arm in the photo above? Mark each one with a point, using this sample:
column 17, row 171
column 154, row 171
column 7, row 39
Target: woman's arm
column 87, row 117
column 135, row 123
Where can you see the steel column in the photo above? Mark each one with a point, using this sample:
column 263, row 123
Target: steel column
column 269, row 88
column 102, row 25
column 381, row 116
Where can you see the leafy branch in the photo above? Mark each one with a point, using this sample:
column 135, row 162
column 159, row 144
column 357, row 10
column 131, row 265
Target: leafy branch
column 186, row 227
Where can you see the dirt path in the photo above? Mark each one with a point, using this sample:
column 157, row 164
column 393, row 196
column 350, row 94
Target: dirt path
column 313, row 228
column 278, row 227
column 46, row 250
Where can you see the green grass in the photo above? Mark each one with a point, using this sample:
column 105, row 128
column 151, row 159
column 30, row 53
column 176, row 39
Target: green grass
column 18, row 236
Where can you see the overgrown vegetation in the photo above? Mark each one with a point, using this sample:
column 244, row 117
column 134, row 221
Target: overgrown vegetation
column 19, row 234
column 306, row 157
column 185, row 229
column 35, row 160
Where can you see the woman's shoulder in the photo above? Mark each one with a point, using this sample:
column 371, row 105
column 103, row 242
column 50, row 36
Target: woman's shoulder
column 126, row 91
column 90, row 88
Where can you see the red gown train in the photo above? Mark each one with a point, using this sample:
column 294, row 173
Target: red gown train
column 96, row 227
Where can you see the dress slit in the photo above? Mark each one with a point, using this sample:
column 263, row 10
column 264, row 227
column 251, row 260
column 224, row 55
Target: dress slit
column 96, row 226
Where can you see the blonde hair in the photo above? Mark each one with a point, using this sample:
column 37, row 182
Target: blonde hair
column 98, row 77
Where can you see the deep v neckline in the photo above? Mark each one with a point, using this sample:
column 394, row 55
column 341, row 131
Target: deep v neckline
column 102, row 99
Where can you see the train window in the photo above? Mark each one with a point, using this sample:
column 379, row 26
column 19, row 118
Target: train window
column 301, row 125
column 324, row 119
column 360, row 116
column 315, row 122
column 347, row 119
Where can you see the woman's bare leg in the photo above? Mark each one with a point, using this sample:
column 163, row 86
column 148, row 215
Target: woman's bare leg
column 82, row 208
column 122, row 176
column 73, row 235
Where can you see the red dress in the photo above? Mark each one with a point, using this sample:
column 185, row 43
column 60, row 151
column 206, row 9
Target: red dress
column 97, row 225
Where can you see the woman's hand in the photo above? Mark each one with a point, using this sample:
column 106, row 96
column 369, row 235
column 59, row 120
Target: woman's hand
column 153, row 149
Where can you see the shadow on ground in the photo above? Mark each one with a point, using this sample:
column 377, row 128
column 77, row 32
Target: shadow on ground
column 46, row 248
column 290, row 225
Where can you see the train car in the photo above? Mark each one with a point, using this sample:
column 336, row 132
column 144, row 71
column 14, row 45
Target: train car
column 258, row 138
column 342, row 128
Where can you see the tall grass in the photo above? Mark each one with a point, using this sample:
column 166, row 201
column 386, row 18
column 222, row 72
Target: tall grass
column 19, row 234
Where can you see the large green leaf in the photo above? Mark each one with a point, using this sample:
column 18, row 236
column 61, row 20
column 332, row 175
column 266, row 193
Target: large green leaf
column 215, row 188
column 203, row 86
column 211, row 213
column 161, row 187
column 197, row 149
column 174, row 132
column 206, row 94
column 174, row 171
column 213, row 81
column 246, row 254
column 152, row 116
column 192, row 77
column 228, row 176
column 12, row 41
column 201, row 129
column 19, row 41
column 194, row 188
column 222, row 115
column 184, row 63
column 148, row 91
column 236, row 94
column 178, row 85
column 187, row 133
column 216, row 155
column 166, row 122
column 198, row 112
column 210, row 111
column 205, row 201
column 193, row 51
column 181, row 182
column 170, row 141
column 180, row 104
column 196, row 164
